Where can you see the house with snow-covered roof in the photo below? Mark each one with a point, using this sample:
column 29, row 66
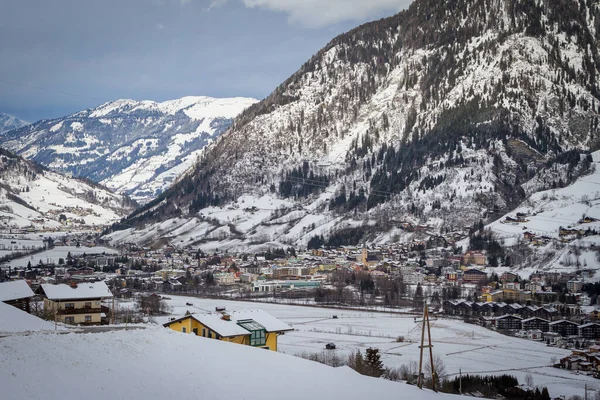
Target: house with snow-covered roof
column 16, row 293
column 76, row 303
column 255, row 328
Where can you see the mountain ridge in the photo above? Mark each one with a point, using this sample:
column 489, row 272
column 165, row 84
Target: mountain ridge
column 32, row 196
column 438, row 115
column 132, row 147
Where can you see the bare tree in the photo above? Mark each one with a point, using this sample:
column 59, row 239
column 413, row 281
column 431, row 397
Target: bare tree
column 529, row 380
column 410, row 372
column 439, row 369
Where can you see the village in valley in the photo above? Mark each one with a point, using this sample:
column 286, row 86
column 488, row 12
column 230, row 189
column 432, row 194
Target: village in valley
column 75, row 280
column 284, row 199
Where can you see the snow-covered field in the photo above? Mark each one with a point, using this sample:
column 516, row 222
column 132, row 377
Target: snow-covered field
column 57, row 253
column 9, row 245
column 461, row 346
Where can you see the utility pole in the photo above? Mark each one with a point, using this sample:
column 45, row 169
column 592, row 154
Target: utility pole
column 460, row 381
column 423, row 346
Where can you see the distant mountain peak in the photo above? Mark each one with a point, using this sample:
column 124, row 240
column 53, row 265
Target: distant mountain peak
column 196, row 107
column 133, row 147
column 9, row 122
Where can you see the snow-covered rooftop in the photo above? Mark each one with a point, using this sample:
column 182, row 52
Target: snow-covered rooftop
column 15, row 290
column 270, row 323
column 87, row 290
column 13, row 320
column 227, row 328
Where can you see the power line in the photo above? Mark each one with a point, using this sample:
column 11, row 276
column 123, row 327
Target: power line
column 49, row 90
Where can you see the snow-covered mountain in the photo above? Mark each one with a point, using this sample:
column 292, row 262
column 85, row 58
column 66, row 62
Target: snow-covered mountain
column 32, row 196
column 554, row 230
column 442, row 115
column 133, row 147
column 10, row 122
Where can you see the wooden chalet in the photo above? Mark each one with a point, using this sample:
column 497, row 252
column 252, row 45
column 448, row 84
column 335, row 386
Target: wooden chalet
column 17, row 294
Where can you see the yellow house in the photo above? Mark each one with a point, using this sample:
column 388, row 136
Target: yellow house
column 253, row 328
column 496, row 295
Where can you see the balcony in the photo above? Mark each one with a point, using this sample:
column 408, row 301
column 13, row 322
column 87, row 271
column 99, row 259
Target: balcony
column 71, row 311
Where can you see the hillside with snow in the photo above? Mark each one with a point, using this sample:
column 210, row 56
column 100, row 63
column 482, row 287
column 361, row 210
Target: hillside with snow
column 555, row 230
column 10, row 122
column 442, row 115
column 156, row 362
column 34, row 197
column 138, row 148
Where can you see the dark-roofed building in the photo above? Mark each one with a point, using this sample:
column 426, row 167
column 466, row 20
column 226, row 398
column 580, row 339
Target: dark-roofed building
column 590, row 330
column 508, row 322
column 564, row 327
column 536, row 324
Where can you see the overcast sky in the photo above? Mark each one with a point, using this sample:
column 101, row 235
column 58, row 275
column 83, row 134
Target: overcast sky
column 61, row 56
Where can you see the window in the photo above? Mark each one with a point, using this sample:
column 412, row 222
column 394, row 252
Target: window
column 183, row 329
column 258, row 333
column 88, row 318
column 69, row 320
column 88, row 304
column 258, row 338
column 195, row 330
column 69, row 305
column 203, row 332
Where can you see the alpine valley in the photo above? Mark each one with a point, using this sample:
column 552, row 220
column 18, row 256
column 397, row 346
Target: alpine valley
column 447, row 115
column 35, row 199
column 136, row 148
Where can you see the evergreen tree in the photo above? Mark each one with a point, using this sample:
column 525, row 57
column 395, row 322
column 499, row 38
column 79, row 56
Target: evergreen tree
column 418, row 300
column 374, row 365
column 545, row 395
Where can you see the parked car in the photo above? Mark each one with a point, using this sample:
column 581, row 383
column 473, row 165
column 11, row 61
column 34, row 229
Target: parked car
column 334, row 317
column 330, row 346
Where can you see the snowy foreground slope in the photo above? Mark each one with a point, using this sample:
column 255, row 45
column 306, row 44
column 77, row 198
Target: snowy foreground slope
column 13, row 320
column 133, row 147
column 157, row 363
